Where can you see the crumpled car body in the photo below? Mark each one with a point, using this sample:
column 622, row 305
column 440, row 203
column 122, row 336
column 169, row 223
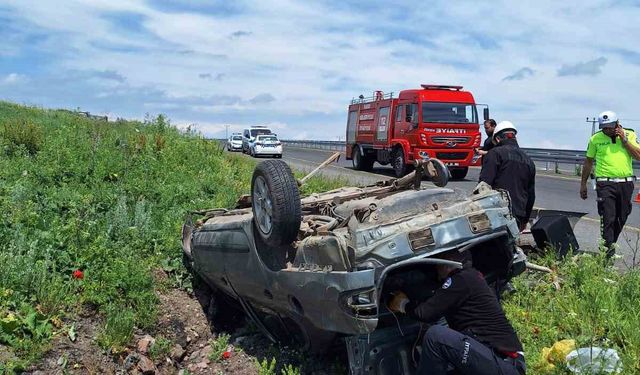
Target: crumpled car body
column 354, row 246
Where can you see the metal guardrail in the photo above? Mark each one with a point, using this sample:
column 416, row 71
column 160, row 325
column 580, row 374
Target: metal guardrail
column 557, row 157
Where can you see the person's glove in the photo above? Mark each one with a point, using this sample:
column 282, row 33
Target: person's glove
column 398, row 302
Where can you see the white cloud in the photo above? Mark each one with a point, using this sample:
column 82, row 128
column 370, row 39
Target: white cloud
column 13, row 78
column 299, row 63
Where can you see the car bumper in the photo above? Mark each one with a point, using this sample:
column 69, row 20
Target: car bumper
column 235, row 147
column 265, row 150
column 458, row 157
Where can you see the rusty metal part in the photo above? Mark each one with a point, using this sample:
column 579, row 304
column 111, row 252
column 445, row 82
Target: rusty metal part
column 335, row 156
column 536, row 267
column 317, row 224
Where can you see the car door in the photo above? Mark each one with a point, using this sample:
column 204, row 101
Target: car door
column 213, row 248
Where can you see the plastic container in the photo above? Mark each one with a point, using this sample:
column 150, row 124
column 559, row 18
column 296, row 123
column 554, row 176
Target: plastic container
column 594, row 361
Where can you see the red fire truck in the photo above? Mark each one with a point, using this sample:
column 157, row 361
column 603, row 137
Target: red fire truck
column 436, row 121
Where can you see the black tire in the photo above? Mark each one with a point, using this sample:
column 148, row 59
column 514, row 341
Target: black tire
column 439, row 173
column 398, row 163
column 459, row 173
column 360, row 162
column 275, row 202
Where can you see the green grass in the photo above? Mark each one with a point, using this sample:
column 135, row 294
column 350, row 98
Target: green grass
column 160, row 348
column 105, row 198
column 218, row 346
column 596, row 305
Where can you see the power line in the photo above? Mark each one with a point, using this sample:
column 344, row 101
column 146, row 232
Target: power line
column 593, row 124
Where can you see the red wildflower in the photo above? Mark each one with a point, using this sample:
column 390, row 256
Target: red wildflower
column 77, row 274
column 226, row 354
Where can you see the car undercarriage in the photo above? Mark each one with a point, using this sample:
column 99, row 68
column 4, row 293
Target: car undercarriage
column 319, row 268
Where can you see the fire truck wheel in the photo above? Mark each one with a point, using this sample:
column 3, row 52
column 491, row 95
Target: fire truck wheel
column 398, row 163
column 275, row 202
column 459, row 173
column 360, row 162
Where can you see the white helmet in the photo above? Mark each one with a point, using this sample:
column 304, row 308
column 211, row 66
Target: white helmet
column 607, row 119
column 502, row 126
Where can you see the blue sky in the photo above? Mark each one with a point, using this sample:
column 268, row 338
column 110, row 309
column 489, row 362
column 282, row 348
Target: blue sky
column 544, row 65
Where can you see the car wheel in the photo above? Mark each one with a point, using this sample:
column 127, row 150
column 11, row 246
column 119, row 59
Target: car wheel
column 361, row 162
column 397, row 161
column 459, row 173
column 438, row 172
column 275, row 202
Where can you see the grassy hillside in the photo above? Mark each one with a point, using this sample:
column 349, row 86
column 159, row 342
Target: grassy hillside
column 106, row 199
column 89, row 209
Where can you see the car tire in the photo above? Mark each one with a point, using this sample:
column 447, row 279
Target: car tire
column 459, row 173
column 400, row 167
column 439, row 173
column 361, row 162
column 277, row 212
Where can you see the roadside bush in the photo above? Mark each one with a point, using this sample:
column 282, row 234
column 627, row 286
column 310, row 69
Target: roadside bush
column 22, row 134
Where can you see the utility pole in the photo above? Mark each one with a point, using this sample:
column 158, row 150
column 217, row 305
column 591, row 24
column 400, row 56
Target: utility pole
column 226, row 131
column 593, row 124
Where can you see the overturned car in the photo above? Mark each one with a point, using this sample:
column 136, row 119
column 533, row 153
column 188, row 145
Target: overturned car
column 319, row 268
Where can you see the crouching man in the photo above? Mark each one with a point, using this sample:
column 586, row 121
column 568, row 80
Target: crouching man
column 479, row 339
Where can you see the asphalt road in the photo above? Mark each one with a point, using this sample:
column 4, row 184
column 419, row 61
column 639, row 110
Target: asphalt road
column 556, row 192
column 553, row 191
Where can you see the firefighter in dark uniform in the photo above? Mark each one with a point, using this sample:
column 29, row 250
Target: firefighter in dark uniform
column 507, row 167
column 613, row 148
column 479, row 338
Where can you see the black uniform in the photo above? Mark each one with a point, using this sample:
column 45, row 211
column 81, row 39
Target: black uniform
column 507, row 167
column 488, row 144
column 479, row 340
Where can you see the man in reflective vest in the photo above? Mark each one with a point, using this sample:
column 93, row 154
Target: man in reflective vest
column 613, row 148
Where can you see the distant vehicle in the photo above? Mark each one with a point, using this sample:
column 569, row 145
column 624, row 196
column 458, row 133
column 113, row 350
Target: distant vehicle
column 267, row 144
column 249, row 135
column 438, row 121
column 234, row 143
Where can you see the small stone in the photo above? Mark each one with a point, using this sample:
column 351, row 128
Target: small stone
column 131, row 360
column 144, row 344
column 146, row 366
column 181, row 372
column 195, row 355
column 202, row 365
column 188, row 339
column 177, row 353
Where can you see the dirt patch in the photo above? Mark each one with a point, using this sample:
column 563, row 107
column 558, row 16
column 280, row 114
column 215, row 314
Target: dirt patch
column 184, row 343
column 81, row 356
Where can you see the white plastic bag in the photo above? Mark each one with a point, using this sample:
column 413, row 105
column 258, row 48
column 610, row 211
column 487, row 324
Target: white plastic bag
column 594, row 361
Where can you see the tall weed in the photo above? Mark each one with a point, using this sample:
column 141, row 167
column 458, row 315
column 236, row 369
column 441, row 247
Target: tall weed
column 22, row 134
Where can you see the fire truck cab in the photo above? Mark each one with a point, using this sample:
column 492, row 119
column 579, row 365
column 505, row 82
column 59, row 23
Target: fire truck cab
column 438, row 121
